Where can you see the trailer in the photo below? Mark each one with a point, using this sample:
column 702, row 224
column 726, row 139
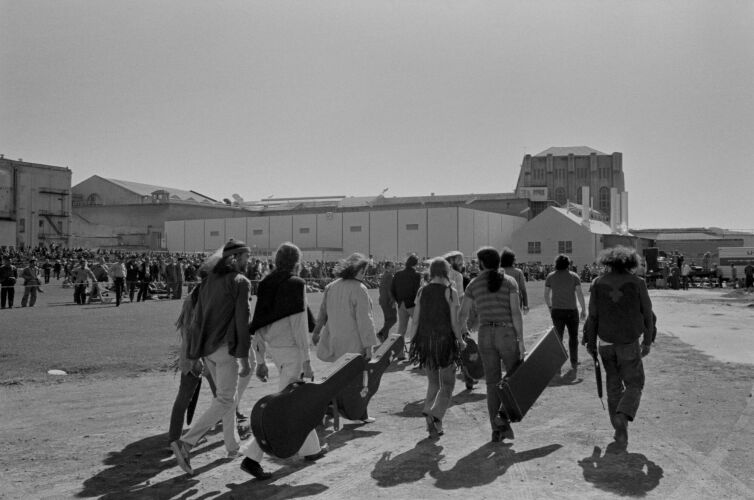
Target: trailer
column 739, row 257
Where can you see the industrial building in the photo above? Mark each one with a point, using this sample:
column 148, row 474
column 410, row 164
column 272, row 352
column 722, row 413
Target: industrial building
column 35, row 204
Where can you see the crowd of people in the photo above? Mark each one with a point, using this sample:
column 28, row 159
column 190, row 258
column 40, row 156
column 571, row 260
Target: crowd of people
column 435, row 309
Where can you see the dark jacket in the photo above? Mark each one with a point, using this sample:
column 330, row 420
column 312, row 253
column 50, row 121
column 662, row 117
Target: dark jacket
column 6, row 273
column 386, row 283
column 223, row 312
column 620, row 309
column 405, row 286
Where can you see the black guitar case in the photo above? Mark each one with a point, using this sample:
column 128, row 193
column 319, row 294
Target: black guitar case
column 352, row 402
column 280, row 422
column 520, row 389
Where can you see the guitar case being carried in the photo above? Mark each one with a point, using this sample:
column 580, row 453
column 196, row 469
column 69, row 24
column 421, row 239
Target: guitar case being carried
column 280, row 422
column 520, row 389
column 352, row 402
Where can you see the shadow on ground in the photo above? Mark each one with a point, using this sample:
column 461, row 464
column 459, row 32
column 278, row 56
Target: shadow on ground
column 135, row 465
column 620, row 472
column 485, row 464
column 409, row 466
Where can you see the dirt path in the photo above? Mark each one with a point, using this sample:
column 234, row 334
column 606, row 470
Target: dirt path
column 692, row 437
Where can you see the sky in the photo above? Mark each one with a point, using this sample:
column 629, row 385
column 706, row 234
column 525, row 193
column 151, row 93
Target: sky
column 318, row 98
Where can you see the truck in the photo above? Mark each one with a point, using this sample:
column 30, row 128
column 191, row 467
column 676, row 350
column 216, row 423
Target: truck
column 740, row 257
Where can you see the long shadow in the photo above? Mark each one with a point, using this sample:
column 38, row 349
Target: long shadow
column 262, row 490
column 560, row 381
column 409, row 466
column 136, row 463
column 620, row 472
column 467, row 396
column 347, row 432
column 412, row 409
column 485, row 464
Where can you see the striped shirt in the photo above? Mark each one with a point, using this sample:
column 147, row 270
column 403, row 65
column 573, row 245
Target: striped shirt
column 492, row 306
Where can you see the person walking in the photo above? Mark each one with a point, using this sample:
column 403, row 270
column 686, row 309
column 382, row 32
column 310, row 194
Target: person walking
column 132, row 277
column 144, row 278
column 118, row 273
column 620, row 312
column 80, row 277
column 507, row 261
column 562, row 289
column 345, row 323
column 404, row 288
column 280, row 328
column 8, row 277
column 437, row 340
column 495, row 297
column 222, row 339
column 387, row 301
column 31, row 283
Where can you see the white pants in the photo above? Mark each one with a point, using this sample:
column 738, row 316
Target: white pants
column 290, row 365
column 224, row 370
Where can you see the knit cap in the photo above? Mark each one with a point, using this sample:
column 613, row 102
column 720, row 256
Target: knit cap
column 233, row 247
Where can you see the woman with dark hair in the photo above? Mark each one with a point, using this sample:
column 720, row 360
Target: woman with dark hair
column 436, row 341
column 501, row 331
column 620, row 311
column 345, row 317
column 507, row 259
column 280, row 328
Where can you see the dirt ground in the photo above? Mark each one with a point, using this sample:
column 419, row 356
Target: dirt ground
column 103, row 433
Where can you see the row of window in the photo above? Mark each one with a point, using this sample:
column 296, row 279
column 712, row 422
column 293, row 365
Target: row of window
column 563, row 247
column 306, row 230
column 582, row 173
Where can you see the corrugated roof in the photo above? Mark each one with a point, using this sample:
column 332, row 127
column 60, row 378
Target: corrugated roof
column 175, row 193
column 568, row 150
column 595, row 226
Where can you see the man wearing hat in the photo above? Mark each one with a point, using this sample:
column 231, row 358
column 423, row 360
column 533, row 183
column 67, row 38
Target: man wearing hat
column 31, row 283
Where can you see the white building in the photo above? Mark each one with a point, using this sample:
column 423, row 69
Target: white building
column 558, row 230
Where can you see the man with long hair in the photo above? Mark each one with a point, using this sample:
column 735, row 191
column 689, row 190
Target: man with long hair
column 620, row 311
column 280, row 328
column 222, row 339
column 501, row 330
column 404, row 288
column 562, row 289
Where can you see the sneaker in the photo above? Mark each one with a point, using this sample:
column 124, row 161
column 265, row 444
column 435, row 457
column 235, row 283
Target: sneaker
column 181, row 451
column 368, row 420
column 430, row 422
column 497, row 437
column 316, row 456
column 507, row 432
column 253, row 467
column 438, row 426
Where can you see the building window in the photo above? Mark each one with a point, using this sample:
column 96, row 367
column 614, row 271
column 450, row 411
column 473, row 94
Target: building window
column 560, row 195
column 539, row 174
column 412, row 227
column 565, row 247
column 355, row 229
column 535, row 247
column 21, row 225
column 581, row 173
column 605, row 200
column 214, row 233
column 604, row 172
column 93, row 199
column 303, row 230
column 579, row 194
column 257, row 232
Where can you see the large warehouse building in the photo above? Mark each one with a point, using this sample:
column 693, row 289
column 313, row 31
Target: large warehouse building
column 386, row 228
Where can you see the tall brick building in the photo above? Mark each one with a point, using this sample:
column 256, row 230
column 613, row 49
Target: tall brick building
column 560, row 172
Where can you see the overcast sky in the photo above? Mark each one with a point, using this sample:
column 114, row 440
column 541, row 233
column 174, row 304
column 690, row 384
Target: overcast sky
column 315, row 98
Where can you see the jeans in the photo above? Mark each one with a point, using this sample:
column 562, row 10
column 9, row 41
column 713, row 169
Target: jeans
column 391, row 317
column 119, row 287
column 143, row 291
column 131, row 289
column 6, row 295
column 290, row 364
column 79, row 293
column 498, row 348
column 568, row 318
column 404, row 314
column 178, row 290
column 190, row 384
column 624, row 377
column 224, row 371
column 440, row 390
column 30, row 296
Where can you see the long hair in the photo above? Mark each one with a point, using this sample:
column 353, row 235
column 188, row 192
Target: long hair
column 507, row 257
column 620, row 259
column 439, row 267
column 490, row 258
column 287, row 256
column 349, row 267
